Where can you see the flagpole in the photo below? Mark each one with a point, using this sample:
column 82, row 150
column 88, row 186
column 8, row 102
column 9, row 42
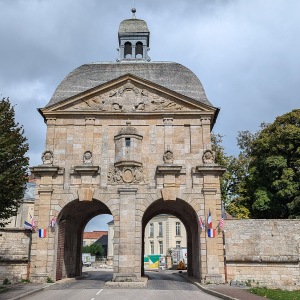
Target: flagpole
column 224, row 254
column 29, row 255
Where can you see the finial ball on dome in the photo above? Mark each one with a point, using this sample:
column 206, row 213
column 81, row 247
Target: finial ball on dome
column 133, row 10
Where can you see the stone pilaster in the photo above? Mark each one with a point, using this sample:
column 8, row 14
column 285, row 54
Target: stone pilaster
column 41, row 246
column 205, row 122
column 42, row 254
column 168, row 128
column 213, row 264
column 50, row 137
column 128, row 269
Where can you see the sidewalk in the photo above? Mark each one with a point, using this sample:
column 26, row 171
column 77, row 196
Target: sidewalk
column 226, row 291
column 20, row 290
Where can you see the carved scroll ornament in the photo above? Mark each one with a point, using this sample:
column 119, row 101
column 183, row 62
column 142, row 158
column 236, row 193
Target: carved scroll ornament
column 119, row 175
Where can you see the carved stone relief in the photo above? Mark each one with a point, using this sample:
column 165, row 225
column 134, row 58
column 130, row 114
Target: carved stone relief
column 126, row 175
column 87, row 157
column 128, row 98
column 208, row 157
column 168, row 157
column 47, row 157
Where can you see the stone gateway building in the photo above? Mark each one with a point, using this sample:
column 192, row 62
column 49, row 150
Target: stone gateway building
column 130, row 138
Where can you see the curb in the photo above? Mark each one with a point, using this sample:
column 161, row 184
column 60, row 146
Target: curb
column 208, row 291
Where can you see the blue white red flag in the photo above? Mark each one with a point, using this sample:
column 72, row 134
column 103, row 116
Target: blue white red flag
column 201, row 223
column 42, row 233
column 221, row 223
column 27, row 225
column 52, row 222
column 209, row 220
column 33, row 224
column 211, row 233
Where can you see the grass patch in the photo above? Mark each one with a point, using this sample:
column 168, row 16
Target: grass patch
column 2, row 289
column 276, row 294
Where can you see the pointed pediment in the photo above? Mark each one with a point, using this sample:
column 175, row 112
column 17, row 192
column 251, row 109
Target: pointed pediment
column 129, row 94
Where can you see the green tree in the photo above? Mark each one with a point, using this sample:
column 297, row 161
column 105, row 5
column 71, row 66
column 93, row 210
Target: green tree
column 13, row 162
column 95, row 249
column 273, row 180
column 86, row 249
column 263, row 181
column 232, row 180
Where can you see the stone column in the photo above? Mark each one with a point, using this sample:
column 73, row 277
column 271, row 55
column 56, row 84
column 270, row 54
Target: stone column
column 133, row 50
column 129, row 242
column 121, row 52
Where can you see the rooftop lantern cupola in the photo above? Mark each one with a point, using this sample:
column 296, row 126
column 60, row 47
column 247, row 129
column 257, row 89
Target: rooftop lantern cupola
column 134, row 39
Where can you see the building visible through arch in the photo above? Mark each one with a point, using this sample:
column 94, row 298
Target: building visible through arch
column 132, row 139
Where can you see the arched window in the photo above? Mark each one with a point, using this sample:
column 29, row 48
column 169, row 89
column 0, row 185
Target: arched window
column 127, row 50
column 139, row 50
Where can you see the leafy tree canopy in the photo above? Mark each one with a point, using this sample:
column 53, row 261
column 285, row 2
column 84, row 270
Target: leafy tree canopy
column 13, row 162
column 95, row 249
column 274, row 169
column 263, row 181
column 232, row 181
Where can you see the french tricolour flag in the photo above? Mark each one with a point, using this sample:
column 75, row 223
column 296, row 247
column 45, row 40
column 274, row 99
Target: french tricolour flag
column 209, row 220
column 211, row 233
column 42, row 233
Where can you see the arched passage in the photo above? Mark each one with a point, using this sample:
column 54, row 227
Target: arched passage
column 183, row 211
column 71, row 223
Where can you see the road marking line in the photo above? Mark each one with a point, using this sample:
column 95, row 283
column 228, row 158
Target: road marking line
column 93, row 299
column 99, row 292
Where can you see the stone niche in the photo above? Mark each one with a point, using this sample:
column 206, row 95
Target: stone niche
column 128, row 167
column 128, row 147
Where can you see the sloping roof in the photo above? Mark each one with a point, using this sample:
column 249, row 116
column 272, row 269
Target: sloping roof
column 103, row 240
column 94, row 235
column 170, row 75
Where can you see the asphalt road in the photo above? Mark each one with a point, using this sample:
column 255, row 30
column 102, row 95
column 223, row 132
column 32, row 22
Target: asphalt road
column 163, row 285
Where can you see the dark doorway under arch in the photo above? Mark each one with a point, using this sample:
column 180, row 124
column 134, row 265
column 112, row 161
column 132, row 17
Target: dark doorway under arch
column 71, row 223
column 187, row 215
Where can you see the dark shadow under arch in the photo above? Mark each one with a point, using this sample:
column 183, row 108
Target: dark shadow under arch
column 71, row 223
column 183, row 211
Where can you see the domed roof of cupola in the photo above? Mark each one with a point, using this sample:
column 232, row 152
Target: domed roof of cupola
column 133, row 25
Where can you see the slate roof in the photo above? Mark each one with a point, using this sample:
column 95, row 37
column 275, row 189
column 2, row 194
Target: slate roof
column 170, row 75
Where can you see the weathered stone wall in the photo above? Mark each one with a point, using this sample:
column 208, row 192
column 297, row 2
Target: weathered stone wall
column 264, row 252
column 14, row 249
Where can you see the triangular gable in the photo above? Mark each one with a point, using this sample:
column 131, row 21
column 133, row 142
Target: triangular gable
column 126, row 94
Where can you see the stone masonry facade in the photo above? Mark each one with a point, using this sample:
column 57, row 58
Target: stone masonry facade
column 158, row 160
column 264, row 252
column 14, row 254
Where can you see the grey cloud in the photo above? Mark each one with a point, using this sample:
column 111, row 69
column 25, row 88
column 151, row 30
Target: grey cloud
column 246, row 53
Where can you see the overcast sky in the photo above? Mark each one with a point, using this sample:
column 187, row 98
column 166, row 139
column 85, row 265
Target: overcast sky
column 246, row 53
